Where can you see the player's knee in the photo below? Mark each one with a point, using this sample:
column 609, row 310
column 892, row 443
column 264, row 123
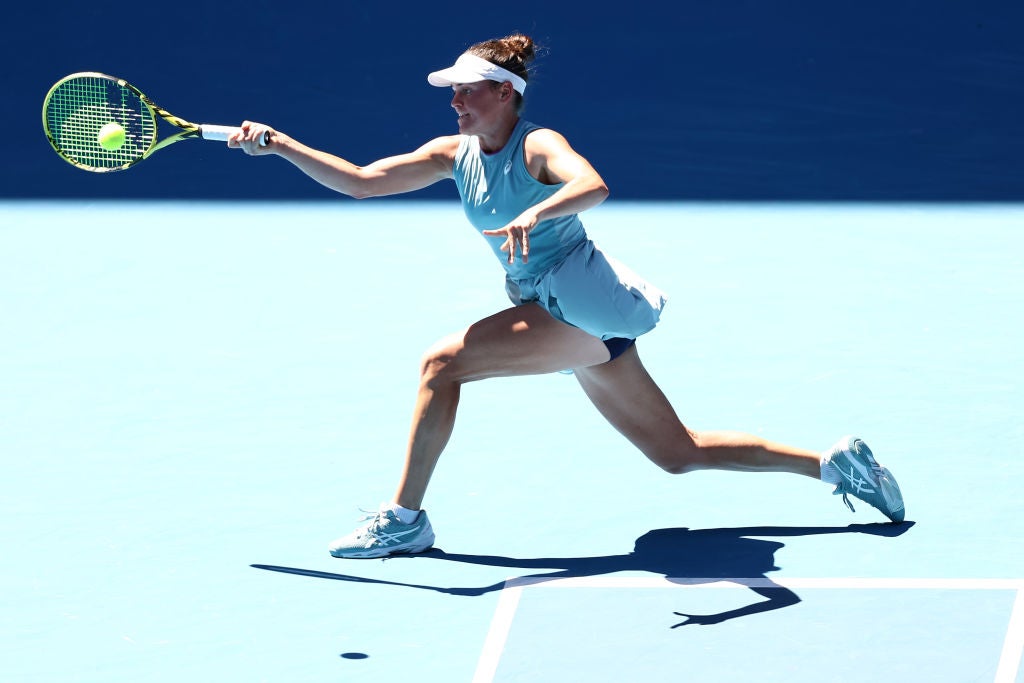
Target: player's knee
column 683, row 456
column 679, row 465
column 439, row 364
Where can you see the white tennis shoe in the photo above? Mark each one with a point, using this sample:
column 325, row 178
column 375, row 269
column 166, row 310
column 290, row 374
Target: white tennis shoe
column 864, row 478
column 384, row 534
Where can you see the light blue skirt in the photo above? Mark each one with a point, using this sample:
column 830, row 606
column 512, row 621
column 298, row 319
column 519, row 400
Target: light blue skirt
column 593, row 292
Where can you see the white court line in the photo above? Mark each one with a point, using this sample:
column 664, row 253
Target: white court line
column 508, row 603
column 1013, row 646
column 498, row 634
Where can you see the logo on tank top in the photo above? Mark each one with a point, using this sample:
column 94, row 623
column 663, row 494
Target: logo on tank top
column 508, row 166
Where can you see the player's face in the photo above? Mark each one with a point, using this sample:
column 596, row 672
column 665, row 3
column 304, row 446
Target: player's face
column 477, row 105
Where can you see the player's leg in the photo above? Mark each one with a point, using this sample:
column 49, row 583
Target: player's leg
column 626, row 395
column 629, row 399
column 524, row 340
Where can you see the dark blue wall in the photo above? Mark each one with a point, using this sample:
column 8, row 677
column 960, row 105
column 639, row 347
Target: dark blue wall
column 703, row 100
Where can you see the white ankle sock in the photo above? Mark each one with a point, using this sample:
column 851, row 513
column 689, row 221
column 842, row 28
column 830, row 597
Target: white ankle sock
column 829, row 473
column 405, row 515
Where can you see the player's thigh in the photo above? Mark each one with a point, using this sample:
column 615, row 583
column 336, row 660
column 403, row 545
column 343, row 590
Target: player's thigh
column 627, row 396
column 522, row 340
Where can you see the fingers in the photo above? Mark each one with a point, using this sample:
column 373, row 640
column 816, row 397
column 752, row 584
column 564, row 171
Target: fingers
column 516, row 239
column 252, row 138
column 520, row 237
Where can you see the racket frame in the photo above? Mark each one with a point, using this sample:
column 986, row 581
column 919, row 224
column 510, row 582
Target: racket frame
column 187, row 130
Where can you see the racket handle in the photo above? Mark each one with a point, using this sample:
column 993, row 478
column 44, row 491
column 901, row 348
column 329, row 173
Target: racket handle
column 211, row 132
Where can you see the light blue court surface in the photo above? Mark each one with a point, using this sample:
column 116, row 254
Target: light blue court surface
column 198, row 397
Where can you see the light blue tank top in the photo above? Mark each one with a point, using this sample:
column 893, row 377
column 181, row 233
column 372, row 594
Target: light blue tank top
column 495, row 188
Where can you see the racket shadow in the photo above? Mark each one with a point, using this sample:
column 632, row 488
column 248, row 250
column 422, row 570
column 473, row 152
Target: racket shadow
column 678, row 554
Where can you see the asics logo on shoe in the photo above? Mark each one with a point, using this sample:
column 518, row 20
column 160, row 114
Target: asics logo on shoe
column 390, row 538
column 859, row 484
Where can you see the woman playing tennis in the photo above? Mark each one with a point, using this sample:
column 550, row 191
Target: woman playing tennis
column 523, row 187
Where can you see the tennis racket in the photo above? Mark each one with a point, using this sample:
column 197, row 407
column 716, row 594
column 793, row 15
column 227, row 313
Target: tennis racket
column 80, row 105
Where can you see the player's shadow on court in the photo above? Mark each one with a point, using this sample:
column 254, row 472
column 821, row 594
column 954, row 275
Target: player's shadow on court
column 679, row 554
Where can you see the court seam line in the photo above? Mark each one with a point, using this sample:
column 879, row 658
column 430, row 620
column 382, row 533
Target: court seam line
column 511, row 592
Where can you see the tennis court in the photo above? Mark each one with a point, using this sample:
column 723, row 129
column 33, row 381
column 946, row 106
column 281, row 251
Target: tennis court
column 199, row 396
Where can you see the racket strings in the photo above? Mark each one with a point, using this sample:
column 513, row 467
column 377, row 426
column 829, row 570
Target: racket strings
column 79, row 107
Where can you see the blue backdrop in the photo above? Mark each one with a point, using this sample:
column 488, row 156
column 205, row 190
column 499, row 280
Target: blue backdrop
column 724, row 100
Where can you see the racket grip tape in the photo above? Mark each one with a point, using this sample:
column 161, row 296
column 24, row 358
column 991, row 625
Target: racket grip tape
column 212, row 132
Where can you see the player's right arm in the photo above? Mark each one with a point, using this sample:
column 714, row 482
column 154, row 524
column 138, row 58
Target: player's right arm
column 415, row 170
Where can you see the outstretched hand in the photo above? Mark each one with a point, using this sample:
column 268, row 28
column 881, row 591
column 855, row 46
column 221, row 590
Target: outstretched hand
column 517, row 236
column 250, row 137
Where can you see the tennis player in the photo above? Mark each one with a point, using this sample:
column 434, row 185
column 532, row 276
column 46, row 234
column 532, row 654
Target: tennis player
column 574, row 308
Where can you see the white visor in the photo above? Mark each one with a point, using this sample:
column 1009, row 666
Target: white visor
column 470, row 69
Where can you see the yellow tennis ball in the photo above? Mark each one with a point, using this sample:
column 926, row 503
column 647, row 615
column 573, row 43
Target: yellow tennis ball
column 111, row 136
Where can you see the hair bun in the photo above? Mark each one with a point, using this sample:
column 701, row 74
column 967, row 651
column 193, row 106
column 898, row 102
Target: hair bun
column 522, row 46
column 513, row 52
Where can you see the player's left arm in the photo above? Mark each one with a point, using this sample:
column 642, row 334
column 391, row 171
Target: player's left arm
column 551, row 160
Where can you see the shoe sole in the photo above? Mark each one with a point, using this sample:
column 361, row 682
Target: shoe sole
column 896, row 514
column 382, row 552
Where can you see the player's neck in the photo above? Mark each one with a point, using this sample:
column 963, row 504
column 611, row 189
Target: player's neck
column 495, row 140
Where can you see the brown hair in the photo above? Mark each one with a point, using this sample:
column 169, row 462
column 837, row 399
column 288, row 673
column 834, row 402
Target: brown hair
column 514, row 52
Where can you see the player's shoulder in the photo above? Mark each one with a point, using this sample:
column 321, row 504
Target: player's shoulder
column 445, row 144
column 540, row 139
column 441, row 151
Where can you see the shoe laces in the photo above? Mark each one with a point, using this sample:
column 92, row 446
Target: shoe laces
column 375, row 519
